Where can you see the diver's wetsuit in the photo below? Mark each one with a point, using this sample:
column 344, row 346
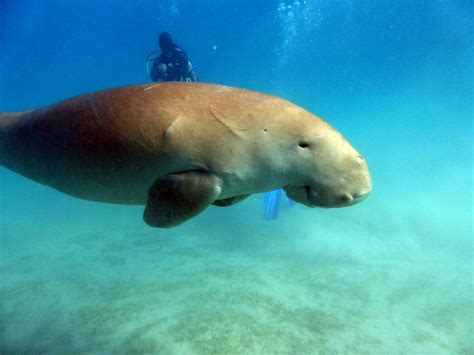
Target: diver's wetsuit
column 178, row 66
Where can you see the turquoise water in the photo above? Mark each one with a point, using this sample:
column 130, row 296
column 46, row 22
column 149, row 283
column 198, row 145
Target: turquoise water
column 392, row 274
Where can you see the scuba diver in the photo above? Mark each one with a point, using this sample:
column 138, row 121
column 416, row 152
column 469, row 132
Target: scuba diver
column 170, row 62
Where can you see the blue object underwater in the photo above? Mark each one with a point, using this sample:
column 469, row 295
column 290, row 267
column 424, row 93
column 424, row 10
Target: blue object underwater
column 272, row 201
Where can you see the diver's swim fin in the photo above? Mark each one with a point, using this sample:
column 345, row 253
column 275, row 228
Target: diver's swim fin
column 272, row 204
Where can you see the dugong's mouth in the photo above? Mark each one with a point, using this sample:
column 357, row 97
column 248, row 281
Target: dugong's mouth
column 302, row 194
column 324, row 197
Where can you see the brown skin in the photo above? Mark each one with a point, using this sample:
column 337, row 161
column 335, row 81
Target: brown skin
column 178, row 147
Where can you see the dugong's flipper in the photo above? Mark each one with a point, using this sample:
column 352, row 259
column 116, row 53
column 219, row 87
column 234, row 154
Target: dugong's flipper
column 175, row 198
column 230, row 201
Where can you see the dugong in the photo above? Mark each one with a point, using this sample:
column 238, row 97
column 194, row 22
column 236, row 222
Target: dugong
column 179, row 147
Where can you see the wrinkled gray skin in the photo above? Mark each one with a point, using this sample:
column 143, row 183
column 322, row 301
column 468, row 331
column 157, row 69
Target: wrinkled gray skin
column 179, row 147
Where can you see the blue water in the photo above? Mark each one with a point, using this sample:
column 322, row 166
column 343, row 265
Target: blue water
column 392, row 274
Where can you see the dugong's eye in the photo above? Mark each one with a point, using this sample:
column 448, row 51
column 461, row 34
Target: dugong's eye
column 303, row 145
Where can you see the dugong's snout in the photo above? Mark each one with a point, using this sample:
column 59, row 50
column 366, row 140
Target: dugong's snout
column 340, row 185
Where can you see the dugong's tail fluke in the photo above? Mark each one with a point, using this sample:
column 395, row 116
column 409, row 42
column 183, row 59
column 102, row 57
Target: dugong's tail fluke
column 8, row 120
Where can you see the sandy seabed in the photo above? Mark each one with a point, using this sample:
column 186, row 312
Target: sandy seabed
column 229, row 282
